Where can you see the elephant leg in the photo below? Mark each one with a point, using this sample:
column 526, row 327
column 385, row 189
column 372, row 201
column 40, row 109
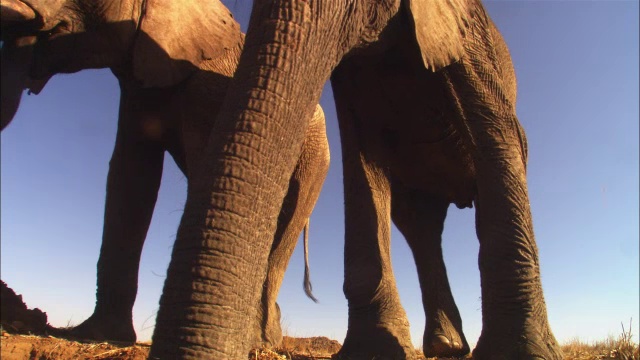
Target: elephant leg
column 135, row 171
column 378, row 326
column 304, row 189
column 420, row 218
column 515, row 324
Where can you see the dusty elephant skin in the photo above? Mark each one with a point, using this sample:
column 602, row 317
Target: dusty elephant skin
column 172, row 80
column 450, row 110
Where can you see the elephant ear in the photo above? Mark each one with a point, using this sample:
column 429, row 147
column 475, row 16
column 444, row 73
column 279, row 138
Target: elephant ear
column 176, row 36
column 440, row 27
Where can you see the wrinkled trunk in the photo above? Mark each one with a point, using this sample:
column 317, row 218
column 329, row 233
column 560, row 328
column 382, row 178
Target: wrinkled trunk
column 220, row 256
column 19, row 20
column 15, row 65
column 16, row 12
column 44, row 9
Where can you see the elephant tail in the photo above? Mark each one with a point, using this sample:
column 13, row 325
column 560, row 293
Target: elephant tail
column 307, row 278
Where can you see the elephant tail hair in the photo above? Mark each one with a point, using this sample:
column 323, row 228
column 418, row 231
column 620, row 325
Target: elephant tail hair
column 308, row 289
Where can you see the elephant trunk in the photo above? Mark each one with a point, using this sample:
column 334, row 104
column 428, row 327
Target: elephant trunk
column 220, row 255
column 14, row 58
column 14, row 63
column 25, row 18
column 34, row 13
column 20, row 22
column 13, row 11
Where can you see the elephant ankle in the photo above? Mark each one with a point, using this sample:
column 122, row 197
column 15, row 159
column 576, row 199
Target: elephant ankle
column 532, row 340
column 379, row 309
column 109, row 312
column 377, row 341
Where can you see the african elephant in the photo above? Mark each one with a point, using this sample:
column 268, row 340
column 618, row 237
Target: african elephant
column 423, row 95
column 173, row 67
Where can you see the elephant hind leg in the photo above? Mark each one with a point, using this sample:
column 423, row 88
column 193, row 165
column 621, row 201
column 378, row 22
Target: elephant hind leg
column 304, row 189
column 420, row 218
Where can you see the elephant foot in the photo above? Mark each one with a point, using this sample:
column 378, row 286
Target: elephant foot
column 531, row 343
column 444, row 340
column 388, row 340
column 269, row 336
column 104, row 328
column 442, row 346
column 268, row 332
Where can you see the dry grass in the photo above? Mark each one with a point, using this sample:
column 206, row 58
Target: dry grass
column 621, row 347
column 293, row 348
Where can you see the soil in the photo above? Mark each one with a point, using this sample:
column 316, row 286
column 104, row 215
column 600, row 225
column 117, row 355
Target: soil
column 309, row 348
column 20, row 347
column 24, row 336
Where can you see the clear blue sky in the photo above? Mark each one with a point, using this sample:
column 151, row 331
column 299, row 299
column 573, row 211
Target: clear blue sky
column 577, row 69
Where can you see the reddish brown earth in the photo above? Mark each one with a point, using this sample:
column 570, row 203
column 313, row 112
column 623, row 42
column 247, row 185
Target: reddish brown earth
column 24, row 336
column 20, row 347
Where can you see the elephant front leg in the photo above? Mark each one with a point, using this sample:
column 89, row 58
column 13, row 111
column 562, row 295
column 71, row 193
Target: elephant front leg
column 134, row 177
column 378, row 325
column 304, row 189
column 514, row 315
column 420, row 218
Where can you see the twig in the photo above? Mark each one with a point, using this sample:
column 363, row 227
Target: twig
column 108, row 353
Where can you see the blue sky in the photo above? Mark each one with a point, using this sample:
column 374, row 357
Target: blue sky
column 577, row 69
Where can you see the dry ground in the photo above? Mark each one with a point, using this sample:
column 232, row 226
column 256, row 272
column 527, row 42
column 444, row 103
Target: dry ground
column 19, row 323
column 21, row 347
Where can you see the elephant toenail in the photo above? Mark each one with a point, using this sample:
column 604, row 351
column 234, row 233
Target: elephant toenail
column 440, row 339
column 440, row 343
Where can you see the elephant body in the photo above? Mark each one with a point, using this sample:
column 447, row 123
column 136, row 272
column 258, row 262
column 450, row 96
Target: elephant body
column 166, row 105
column 425, row 94
column 405, row 154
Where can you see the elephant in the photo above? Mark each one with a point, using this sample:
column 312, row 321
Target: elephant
column 173, row 77
column 427, row 118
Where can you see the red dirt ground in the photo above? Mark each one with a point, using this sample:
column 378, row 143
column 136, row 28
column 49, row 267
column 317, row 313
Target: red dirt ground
column 21, row 327
column 24, row 336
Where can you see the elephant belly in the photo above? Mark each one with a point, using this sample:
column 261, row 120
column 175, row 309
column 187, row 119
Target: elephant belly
column 439, row 168
column 424, row 147
column 405, row 119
